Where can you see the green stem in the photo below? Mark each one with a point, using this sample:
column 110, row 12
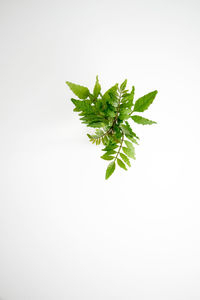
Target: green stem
column 131, row 112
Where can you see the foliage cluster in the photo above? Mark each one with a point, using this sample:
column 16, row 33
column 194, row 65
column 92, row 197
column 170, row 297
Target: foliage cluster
column 109, row 113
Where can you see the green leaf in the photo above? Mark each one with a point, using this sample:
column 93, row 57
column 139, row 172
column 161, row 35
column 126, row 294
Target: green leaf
column 127, row 98
column 111, row 95
column 97, row 137
column 110, row 152
column 117, row 131
column 107, row 157
column 110, row 146
column 97, row 88
column 144, row 102
column 124, row 113
column 129, row 145
column 121, row 164
column 99, row 132
column 80, row 91
column 130, row 153
column 133, row 91
column 96, row 124
column 132, row 139
column 125, row 159
column 110, row 169
column 105, row 140
column 110, row 113
column 128, row 130
column 123, row 85
column 124, row 92
column 143, row 121
column 82, row 105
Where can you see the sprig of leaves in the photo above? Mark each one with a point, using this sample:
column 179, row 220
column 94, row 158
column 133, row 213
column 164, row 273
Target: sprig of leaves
column 109, row 113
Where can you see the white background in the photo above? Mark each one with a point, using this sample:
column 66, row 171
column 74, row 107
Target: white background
column 65, row 232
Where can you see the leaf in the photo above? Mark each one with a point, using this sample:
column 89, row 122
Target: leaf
column 110, row 146
column 125, row 159
column 124, row 92
column 96, row 124
column 130, row 149
column 97, row 137
column 128, row 130
column 132, row 139
column 144, row 102
column 82, row 105
column 107, row 157
column 99, row 132
column 111, row 95
column 143, row 121
column 97, row 88
column 121, row 164
column 129, row 145
column 127, row 98
column 110, row 152
column 79, row 90
column 110, row 113
column 123, row 85
column 110, row 169
column 93, row 121
column 105, row 140
column 133, row 91
column 130, row 153
column 117, row 132
column 124, row 113
column 98, row 141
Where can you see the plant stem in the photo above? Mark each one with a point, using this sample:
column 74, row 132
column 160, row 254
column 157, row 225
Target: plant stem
column 131, row 112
